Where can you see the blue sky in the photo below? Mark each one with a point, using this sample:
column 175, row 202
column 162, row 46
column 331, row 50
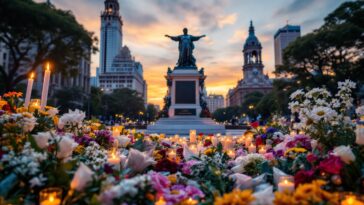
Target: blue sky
column 225, row 22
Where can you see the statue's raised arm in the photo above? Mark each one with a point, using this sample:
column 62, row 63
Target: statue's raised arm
column 185, row 48
column 196, row 38
column 175, row 38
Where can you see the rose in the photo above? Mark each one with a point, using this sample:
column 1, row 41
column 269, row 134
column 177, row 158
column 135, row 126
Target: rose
column 332, row 165
column 81, row 178
column 345, row 154
column 303, row 176
column 41, row 138
column 138, row 161
column 66, row 145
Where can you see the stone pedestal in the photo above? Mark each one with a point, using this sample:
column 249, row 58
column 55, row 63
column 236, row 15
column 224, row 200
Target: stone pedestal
column 185, row 101
column 185, row 93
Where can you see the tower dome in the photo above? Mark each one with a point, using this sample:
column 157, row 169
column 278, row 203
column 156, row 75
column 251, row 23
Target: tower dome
column 252, row 40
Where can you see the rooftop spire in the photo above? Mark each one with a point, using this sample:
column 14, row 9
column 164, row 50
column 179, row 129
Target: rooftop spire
column 251, row 28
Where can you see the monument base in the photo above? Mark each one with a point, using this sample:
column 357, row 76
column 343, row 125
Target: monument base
column 182, row 125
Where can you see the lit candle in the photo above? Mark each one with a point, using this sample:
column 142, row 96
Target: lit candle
column 47, row 75
column 193, row 149
column 286, row 184
column 190, row 201
column 351, row 199
column 359, row 134
column 231, row 154
column 50, row 196
column 252, row 148
column 29, row 90
column 116, row 131
column 114, row 160
column 262, row 150
column 215, row 140
column 193, row 137
column 172, row 155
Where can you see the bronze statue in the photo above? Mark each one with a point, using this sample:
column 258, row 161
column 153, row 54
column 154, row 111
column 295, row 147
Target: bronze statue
column 185, row 47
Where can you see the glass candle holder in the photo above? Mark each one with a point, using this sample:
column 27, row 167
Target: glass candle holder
column 50, row 196
column 286, row 183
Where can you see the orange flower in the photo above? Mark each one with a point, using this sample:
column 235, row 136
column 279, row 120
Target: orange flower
column 13, row 94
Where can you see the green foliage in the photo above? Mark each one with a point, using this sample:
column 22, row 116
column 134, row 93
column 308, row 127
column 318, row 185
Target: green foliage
column 329, row 54
column 35, row 33
column 225, row 114
column 151, row 113
column 68, row 98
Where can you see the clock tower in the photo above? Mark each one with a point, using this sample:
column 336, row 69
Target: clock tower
column 254, row 80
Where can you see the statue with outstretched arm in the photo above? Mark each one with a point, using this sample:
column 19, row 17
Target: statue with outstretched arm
column 185, row 47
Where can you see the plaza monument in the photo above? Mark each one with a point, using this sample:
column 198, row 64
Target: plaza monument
column 185, row 106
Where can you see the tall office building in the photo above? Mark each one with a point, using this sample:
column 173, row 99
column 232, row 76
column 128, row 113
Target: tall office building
column 215, row 102
column 118, row 68
column 282, row 38
column 254, row 80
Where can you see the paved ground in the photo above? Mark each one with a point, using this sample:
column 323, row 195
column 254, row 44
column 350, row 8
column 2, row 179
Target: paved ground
column 228, row 132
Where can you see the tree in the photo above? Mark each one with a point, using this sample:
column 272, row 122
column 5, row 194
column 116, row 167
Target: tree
column 151, row 113
column 68, row 98
column 123, row 101
column 250, row 103
column 331, row 53
column 37, row 32
column 226, row 114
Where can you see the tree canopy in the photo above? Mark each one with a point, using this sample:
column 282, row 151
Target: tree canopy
column 331, row 53
column 38, row 32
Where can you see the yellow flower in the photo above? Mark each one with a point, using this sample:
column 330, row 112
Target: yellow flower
column 236, row 197
column 55, row 120
column 2, row 103
column 209, row 151
column 79, row 149
column 19, row 110
column 27, row 115
column 295, row 150
column 311, row 193
column 172, row 178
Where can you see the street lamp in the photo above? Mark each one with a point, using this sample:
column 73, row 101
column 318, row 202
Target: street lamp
column 251, row 107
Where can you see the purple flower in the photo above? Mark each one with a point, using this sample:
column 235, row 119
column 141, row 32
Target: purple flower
column 104, row 138
column 180, row 192
column 84, row 140
column 186, row 168
column 271, row 130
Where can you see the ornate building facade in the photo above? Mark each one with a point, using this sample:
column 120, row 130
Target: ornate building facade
column 118, row 68
column 254, row 80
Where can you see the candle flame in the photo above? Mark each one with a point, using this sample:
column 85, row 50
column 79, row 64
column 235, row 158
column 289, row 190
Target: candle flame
column 47, row 68
column 32, row 75
column 51, row 198
column 285, row 181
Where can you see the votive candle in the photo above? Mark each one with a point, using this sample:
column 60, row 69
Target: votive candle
column 286, row 183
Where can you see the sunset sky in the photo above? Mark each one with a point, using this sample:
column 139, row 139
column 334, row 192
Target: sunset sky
column 225, row 22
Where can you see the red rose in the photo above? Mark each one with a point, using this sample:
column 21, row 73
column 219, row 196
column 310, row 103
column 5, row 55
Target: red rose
column 303, row 176
column 311, row 158
column 166, row 165
column 254, row 124
column 258, row 141
column 332, row 165
column 207, row 143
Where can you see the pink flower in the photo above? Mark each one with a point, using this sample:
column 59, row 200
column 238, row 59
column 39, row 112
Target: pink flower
column 269, row 156
column 182, row 192
column 160, row 182
column 332, row 165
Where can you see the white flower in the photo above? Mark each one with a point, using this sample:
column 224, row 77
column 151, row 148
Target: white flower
column 322, row 113
column 37, row 181
column 296, row 94
column 138, row 161
column 242, row 161
column 126, row 188
column 72, row 118
column 345, row 154
column 28, row 122
column 278, row 135
column 66, row 145
column 81, row 178
column 123, row 140
column 52, row 112
column 360, row 110
column 41, row 138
